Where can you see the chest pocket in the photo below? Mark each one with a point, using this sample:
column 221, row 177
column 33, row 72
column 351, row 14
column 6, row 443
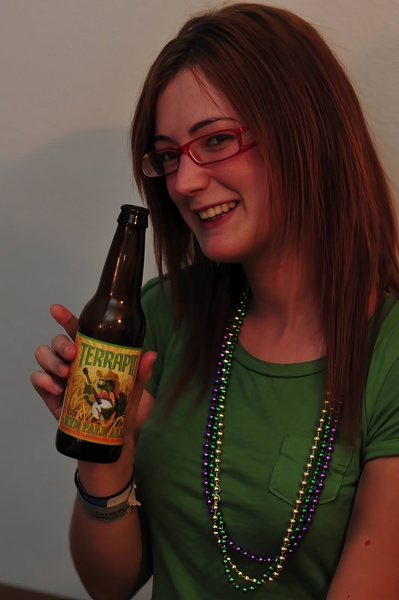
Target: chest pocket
column 287, row 473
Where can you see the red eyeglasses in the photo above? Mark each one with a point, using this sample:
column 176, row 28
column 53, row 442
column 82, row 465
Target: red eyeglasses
column 205, row 150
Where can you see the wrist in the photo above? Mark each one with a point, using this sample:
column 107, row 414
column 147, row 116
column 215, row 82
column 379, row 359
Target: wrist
column 107, row 508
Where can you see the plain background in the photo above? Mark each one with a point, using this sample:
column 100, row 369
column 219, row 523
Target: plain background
column 70, row 74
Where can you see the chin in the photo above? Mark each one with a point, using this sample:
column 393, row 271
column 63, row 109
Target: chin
column 223, row 257
column 217, row 251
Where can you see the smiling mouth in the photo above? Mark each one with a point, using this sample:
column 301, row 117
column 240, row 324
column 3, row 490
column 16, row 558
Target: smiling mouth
column 216, row 211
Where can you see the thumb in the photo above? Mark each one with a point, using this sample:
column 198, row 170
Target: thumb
column 145, row 368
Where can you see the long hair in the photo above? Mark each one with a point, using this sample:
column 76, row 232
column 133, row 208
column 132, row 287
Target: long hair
column 327, row 191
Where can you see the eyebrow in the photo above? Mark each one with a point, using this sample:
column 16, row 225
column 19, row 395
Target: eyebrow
column 194, row 128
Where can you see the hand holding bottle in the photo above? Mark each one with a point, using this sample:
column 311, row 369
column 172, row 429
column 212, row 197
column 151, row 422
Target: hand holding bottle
column 55, row 359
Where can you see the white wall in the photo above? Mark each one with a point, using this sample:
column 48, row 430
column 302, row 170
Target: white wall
column 70, row 73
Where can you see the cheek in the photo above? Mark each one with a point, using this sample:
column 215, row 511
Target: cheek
column 179, row 201
column 171, row 189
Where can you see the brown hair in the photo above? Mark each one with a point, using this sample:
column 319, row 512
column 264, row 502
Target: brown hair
column 328, row 190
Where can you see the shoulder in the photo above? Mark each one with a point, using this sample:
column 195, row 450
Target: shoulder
column 157, row 303
column 165, row 318
column 156, row 288
column 157, row 300
column 158, row 292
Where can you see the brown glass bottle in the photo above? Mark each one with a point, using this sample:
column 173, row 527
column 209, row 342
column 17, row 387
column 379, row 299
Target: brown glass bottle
column 109, row 339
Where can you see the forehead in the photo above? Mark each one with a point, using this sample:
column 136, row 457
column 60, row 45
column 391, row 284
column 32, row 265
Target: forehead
column 189, row 98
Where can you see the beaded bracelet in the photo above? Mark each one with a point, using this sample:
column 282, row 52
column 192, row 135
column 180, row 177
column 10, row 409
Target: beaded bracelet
column 107, row 508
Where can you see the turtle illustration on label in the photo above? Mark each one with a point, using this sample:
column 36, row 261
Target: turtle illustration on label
column 106, row 401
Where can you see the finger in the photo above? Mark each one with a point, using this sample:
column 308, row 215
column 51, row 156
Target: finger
column 52, row 362
column 50, row 390
column 65, row 318
column 64, row 347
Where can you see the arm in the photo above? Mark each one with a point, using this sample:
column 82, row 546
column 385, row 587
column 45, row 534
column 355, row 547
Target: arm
column 368, row 568
column 109, row 557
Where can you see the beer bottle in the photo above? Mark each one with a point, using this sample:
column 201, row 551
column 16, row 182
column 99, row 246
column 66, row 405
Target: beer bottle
column 109, row 338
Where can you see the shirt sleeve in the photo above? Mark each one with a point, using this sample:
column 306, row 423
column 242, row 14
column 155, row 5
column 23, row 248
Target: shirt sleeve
column 382, row 438
column 380, row 417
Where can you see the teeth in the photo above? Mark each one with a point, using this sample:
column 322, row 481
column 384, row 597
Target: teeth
column 214, row 211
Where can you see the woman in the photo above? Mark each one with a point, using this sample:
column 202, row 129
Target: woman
column 269, row 428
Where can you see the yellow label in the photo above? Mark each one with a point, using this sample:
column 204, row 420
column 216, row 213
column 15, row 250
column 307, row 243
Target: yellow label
column 99, row 388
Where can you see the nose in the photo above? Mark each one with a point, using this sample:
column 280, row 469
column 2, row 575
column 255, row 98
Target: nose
column 189, row 177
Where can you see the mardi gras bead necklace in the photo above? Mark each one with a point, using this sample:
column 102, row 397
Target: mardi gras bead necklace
column 312, row 480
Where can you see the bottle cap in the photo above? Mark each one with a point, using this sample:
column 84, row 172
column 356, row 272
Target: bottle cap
column 133, row 215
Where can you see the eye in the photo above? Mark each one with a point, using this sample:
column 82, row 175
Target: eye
column 218, row 141
column 165, row 156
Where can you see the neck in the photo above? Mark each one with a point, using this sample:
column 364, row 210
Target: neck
column 284, row 320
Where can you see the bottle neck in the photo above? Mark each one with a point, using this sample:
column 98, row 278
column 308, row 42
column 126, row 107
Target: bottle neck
column 123, row 269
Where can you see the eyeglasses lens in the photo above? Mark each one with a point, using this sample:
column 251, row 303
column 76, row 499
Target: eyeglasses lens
column 215, row 147
column 158, row 163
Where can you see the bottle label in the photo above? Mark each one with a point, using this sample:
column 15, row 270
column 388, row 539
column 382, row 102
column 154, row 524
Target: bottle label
column 99, row 387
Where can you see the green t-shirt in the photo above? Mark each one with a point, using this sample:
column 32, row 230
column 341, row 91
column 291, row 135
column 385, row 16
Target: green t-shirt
column 271, row 415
